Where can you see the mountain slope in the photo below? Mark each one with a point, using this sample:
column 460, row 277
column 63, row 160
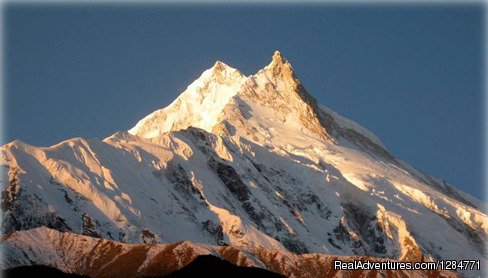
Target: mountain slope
column 248, row 162
column 104, row 258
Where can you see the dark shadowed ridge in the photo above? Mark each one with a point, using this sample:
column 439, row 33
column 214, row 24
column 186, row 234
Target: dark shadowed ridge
column 202, row 266
column 211, row 266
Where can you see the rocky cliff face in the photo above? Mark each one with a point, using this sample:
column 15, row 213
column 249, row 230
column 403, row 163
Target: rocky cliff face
column 247, row 162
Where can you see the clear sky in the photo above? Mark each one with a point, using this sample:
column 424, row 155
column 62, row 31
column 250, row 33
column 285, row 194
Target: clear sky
column 411, row 74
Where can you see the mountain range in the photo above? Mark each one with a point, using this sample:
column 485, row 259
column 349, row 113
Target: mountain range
column 250, row 169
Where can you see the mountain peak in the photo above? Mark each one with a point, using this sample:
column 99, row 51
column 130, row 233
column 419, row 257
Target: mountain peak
column 280, row 67
column 220, row 66
column 221, row 73
column 198, row 106
column 278, row 58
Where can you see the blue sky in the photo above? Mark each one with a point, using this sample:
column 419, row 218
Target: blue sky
column 412, row 74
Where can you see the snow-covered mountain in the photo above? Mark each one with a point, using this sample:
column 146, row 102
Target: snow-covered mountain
column 246, row 161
